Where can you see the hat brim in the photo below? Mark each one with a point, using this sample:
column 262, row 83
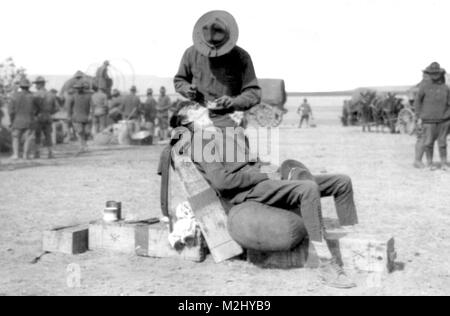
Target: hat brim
column 302, row 170
column 434, row 72
column 205, row 49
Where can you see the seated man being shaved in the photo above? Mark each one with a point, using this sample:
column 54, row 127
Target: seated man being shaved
column 238, row 182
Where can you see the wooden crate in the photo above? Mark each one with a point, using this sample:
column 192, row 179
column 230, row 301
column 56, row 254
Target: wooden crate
column 117, row 236
column 68, row 240
column 208, row 209
column 152, row 241
column 366, row 253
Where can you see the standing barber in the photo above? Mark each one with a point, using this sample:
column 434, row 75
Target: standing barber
column 215, row 69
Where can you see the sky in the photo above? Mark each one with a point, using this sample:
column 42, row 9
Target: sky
column 315, row 45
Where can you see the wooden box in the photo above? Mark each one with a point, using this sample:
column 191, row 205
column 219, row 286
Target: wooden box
column 68, row 240
column 207, row 207
column 117, row 236
column 367, row 253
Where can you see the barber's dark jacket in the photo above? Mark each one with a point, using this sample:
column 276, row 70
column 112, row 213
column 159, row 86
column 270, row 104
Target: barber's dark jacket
column 23, row 110
column 230, row 75
column 433, row 102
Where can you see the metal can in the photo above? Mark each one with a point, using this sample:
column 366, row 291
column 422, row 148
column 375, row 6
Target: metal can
column 112, row 212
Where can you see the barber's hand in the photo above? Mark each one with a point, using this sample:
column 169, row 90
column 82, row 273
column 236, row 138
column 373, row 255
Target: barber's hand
column 224, row 102
column 191, row 93
column 419, row 122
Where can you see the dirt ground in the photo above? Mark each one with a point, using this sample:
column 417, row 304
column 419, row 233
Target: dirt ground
column 392, row 198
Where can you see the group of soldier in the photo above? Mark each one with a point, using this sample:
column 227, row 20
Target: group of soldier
column 87, row 106
column 31, row 118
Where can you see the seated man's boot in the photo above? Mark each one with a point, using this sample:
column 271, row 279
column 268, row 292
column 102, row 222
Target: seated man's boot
column 333, row 275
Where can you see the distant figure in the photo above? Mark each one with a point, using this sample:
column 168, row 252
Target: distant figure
column 305, row 112
column 70, row 84
column 115, row 106
column 80, row 113
column 433, row 113
column 148, row 110
column 44, row 128
column 164, row 104
column 2, row 102
column 23, row 110
column 100, row 104
column 103, row 80
column 131, row 105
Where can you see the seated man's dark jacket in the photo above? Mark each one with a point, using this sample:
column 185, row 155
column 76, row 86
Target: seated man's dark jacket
column 231, row 180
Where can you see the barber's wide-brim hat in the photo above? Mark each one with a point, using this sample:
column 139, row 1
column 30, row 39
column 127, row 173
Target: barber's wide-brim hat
column 434, row 68
column 295, row 170
column 223, row 19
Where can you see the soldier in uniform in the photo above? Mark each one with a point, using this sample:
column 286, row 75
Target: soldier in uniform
column 23, row 111
column 131, row 105
column 115, row 106
column 81, row 113
column 49, row 106
column 100, row 104
column 70, row 84
column 216, row 70
column 305, row 112
column 2, row 102
column 433, row 112
column 148, row 110
column 164, row 105
column 103, row 80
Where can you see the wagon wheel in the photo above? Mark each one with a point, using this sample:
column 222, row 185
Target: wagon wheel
column 277, row 117
column 264, row 115
column 406, row 123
